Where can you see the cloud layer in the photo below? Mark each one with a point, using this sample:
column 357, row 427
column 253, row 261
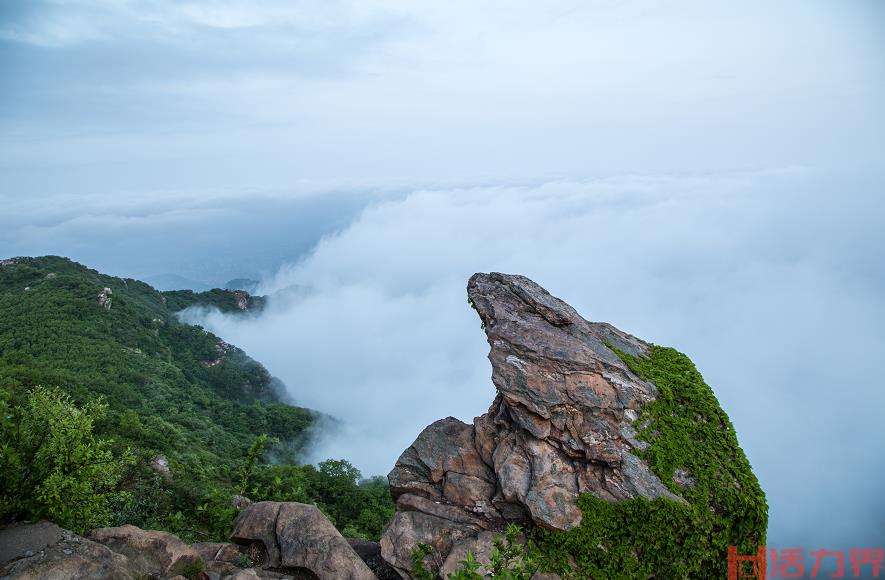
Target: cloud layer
column 141, row 95
column 770, row 280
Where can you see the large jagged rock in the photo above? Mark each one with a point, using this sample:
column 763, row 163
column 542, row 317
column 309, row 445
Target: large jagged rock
column 562, row 424
column 298, row 537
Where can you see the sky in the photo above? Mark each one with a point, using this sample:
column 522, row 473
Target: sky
column 704, row 174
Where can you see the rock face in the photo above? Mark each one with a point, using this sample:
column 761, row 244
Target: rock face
column 298, row 537
column 148, row 551
column 104, row 298
column 562, row 424
column 44, row 551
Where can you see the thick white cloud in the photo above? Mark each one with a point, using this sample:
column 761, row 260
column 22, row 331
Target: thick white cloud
column 763, row 278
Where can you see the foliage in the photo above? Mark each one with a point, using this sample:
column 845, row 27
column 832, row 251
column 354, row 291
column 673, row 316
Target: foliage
column 687, row 430
column 419, row 570
column 193, row 569
column 224, row 300
column 252, row 456
column 469, row 569
column 358, row 507
column 510, row 559
column 52, row 465
column 159, row 387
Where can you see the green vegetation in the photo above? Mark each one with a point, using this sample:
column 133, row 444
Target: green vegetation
column 511, row 558
column 691, row 441
column 53, row 467
column 419, row 570
column 137, row 385
column 192, row 569
column 688, row 431
column 230, row 301
column 358, row 507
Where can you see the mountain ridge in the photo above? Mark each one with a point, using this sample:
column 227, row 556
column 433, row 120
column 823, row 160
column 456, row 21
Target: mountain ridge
column 191, row 407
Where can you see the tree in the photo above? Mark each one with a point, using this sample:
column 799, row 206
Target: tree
column 51, row 464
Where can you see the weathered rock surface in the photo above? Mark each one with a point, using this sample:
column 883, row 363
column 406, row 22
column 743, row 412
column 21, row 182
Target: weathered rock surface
column 298, row 537
column 562, row 424
column 149, row 551
column 43, row 551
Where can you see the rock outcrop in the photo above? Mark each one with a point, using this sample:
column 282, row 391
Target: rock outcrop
column 105, row 298
column 298, row 537
column 148, row 551
column 563, row 423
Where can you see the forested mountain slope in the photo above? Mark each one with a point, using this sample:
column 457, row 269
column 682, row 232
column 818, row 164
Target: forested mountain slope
column 225, row 300
column 176, row 394
column 171, row 387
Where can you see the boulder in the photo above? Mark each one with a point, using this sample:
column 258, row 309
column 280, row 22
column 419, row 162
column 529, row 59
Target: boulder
column 43, row 551
column 297, row 537
column 563, row 423
column 150, row 551
column 21, row 539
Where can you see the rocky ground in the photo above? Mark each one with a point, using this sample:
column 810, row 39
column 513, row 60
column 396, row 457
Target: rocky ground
column 271, row 540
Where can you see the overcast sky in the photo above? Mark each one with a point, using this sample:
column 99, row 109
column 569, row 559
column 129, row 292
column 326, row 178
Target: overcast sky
column 704, row 174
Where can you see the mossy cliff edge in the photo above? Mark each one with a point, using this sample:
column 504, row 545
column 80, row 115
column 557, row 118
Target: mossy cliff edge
column 695, row 451
column 612, row 454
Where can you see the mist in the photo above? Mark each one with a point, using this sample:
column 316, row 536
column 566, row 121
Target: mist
column 769, row 280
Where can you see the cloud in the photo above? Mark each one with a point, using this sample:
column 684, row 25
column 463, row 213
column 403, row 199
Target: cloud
column 141, row 95
column 209, row 236
column 764, row 278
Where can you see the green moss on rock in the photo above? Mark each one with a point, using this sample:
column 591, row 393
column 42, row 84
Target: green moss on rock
column 694, row 450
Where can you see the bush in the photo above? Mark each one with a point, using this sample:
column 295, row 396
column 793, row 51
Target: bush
column 51, row 464
column 510, row 559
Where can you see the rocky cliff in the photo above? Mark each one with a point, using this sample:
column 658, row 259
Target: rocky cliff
column 576, row 416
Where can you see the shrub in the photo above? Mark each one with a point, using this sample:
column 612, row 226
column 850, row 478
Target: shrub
column 52, row 465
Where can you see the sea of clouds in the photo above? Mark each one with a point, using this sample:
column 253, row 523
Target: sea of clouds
column 770, row 280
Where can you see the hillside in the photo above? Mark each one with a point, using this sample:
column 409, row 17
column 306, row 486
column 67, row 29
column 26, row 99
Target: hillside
column 172, row 388
column 225, row 300
column 175, row 393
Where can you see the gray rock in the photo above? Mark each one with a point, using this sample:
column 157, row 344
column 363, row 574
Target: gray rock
column 560, row 425
column 296, row 537
column 43, row 551
column 23, row 540
column 150, row 551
